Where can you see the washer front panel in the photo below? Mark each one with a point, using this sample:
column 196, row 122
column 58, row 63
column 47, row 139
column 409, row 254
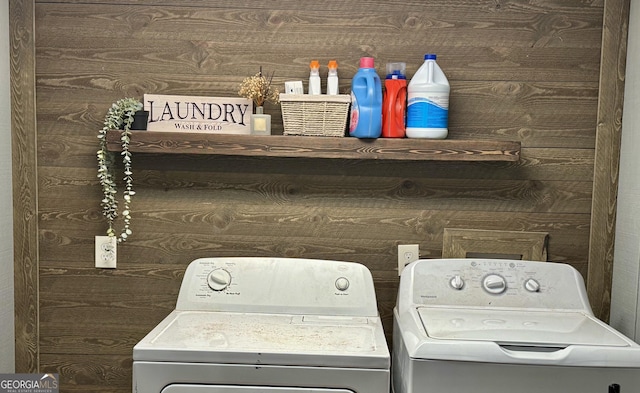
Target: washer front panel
column 152, row 377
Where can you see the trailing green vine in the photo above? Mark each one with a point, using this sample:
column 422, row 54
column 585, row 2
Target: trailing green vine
column 119, row 115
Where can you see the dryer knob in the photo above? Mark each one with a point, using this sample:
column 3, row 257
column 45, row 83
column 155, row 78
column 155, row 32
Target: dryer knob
column 456, row 282
column 342, row 284
column 532, row 285
column 219, row 279
column 494, row 283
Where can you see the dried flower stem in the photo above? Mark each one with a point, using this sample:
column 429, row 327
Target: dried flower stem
column 259, row 89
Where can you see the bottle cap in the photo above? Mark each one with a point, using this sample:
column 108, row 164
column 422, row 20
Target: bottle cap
column 315, row 64
column 333, row 65
column 430, row 56
column 396, row 70
column 366, row 62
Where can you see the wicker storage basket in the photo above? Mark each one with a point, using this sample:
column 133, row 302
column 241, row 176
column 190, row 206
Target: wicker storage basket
column 315, row 115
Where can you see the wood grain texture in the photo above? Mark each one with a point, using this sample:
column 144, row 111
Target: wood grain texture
column 519, row 70
column 322, row 189
column 316, row 147
column 25, row 197
column 536, row 114
column 528, row 246
column 607, row 157
column 553, row 24
column 90, row 372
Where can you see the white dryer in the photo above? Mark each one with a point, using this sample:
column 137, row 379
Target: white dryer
column 497, row 326
column 276, row 325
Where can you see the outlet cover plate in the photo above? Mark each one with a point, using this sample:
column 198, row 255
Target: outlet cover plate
column 407, row 253
column 106, row 252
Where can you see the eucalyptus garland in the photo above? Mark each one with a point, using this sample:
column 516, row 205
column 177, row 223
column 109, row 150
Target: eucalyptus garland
column 120, row 115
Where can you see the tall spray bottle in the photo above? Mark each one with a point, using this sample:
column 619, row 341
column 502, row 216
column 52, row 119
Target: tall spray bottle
column 366, row 101
column 394, row 101
column 428, row 102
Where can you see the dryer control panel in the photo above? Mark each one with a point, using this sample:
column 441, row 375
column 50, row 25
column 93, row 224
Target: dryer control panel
column 497, row 283
column 278, row 285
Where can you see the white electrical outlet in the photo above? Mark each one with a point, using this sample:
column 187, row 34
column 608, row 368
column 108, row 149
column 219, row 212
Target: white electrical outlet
column 407, row 253
column 106, row 251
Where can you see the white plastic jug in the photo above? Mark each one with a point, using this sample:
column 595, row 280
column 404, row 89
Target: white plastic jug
column 428, row 102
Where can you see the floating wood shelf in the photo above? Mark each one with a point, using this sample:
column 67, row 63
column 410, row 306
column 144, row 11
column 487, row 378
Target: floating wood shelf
column 317, row 147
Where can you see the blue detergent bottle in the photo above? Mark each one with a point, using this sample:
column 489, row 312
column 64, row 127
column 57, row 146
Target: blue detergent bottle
column 366, row 101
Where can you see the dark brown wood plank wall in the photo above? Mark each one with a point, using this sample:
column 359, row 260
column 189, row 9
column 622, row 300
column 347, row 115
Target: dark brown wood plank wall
column 607, row 160
column 518, row 70
column 25, row 185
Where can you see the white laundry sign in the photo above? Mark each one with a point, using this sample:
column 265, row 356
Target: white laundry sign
column 222, row 115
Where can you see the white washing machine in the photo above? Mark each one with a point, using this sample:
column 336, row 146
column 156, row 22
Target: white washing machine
column 276, row 325
column 497, row 326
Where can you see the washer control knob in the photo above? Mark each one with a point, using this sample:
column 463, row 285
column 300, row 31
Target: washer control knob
column 532, row 285
column 456, row 282
column 342, row 284
column 219, row 279
column 494, row 283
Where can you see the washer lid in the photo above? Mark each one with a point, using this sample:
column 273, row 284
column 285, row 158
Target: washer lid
column 276, row 339
column 526, row 328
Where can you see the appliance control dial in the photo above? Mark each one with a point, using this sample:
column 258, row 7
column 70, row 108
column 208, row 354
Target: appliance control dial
column 456, row 282
column 532, row 285
column 494, row 283
column 219, row 279
column 342, row 284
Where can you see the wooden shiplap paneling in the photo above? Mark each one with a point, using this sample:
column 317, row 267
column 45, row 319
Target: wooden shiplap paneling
column 25, row 190
column 607, row 156
column 518, row 71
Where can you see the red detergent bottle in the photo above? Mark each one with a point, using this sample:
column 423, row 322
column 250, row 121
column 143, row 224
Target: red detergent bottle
column 394, row 103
